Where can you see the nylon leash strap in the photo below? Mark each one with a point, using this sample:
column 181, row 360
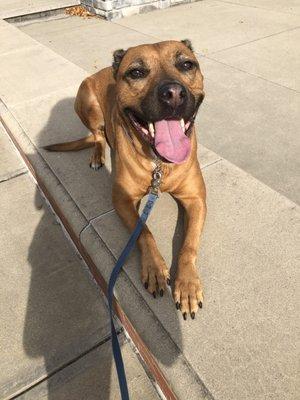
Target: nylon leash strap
column 152, row 197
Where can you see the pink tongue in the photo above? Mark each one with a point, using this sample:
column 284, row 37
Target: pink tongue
column 171, row 142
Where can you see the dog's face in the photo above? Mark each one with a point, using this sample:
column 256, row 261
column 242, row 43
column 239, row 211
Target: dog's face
column 159, row 90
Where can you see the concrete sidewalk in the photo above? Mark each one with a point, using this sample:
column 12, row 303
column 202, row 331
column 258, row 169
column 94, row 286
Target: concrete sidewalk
column 243, row 343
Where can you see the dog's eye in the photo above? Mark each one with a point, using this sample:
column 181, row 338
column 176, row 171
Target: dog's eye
column 137, row 73
column 186, row 66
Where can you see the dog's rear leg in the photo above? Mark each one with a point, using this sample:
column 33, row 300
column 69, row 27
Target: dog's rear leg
column 89, row 111
column 97, row 159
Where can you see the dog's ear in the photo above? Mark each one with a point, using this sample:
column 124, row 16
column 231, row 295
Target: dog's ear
column 188, row 44
column 117, row 58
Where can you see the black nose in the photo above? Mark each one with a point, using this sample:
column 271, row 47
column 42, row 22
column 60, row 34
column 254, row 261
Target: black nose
column 172, row 94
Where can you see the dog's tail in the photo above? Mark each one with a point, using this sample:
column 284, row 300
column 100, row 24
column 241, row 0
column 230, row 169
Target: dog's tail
column 75, row 145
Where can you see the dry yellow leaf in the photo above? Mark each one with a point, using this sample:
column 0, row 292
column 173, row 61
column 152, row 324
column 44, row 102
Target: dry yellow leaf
column 79, row 11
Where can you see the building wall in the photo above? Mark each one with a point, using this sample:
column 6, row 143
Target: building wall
column 113, row 9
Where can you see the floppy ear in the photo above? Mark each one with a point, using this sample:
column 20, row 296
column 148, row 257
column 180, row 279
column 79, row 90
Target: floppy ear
column 188, row 44
column 117, row 58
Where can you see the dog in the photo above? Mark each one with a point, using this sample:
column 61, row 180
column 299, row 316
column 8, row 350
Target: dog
column 144, row 107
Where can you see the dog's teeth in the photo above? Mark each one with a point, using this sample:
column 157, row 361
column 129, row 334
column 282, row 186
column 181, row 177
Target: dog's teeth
column 151, row 128
column 182, row 123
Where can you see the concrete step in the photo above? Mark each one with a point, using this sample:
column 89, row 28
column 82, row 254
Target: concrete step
column 242, row 344
column 21, row 8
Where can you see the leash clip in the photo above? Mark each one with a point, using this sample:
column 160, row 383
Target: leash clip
column 156, row 177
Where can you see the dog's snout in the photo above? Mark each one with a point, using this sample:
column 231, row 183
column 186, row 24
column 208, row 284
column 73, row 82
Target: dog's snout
column 172, row 94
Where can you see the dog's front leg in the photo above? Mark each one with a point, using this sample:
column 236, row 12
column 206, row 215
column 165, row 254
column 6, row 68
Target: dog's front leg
column 188, row 293
column 155, row 273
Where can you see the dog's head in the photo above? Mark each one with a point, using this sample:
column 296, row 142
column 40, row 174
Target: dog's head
column 159, row 90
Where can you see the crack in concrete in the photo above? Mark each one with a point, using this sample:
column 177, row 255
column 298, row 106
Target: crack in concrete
column 90, row 221
column 15, row 174
column 65, row 365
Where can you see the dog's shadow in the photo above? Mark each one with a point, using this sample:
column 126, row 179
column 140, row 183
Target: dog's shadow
column 53, row 326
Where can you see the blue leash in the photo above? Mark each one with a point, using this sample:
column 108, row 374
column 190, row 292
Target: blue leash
column 153, row 196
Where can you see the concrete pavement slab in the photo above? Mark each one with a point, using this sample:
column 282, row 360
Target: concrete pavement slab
column 276, row 58
column 10, row 163
column 15, row 8
column 93, row 377
column 40, row 72
column 212, row 25
column 246, row 333
column 254, row 124
column 51, row 310
column 12, row 39
column 290, row 7
column 86, row 43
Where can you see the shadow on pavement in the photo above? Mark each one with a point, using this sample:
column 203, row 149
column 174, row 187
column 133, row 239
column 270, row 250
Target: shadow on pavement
column 59, row 311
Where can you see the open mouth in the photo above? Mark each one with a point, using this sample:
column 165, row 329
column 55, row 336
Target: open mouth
column 169, row 138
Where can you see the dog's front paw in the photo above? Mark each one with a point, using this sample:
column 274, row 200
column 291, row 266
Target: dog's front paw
column 188, row 292
column 155, row 274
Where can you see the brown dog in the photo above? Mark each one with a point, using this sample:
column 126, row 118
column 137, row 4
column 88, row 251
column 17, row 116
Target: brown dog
column 144, row 107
